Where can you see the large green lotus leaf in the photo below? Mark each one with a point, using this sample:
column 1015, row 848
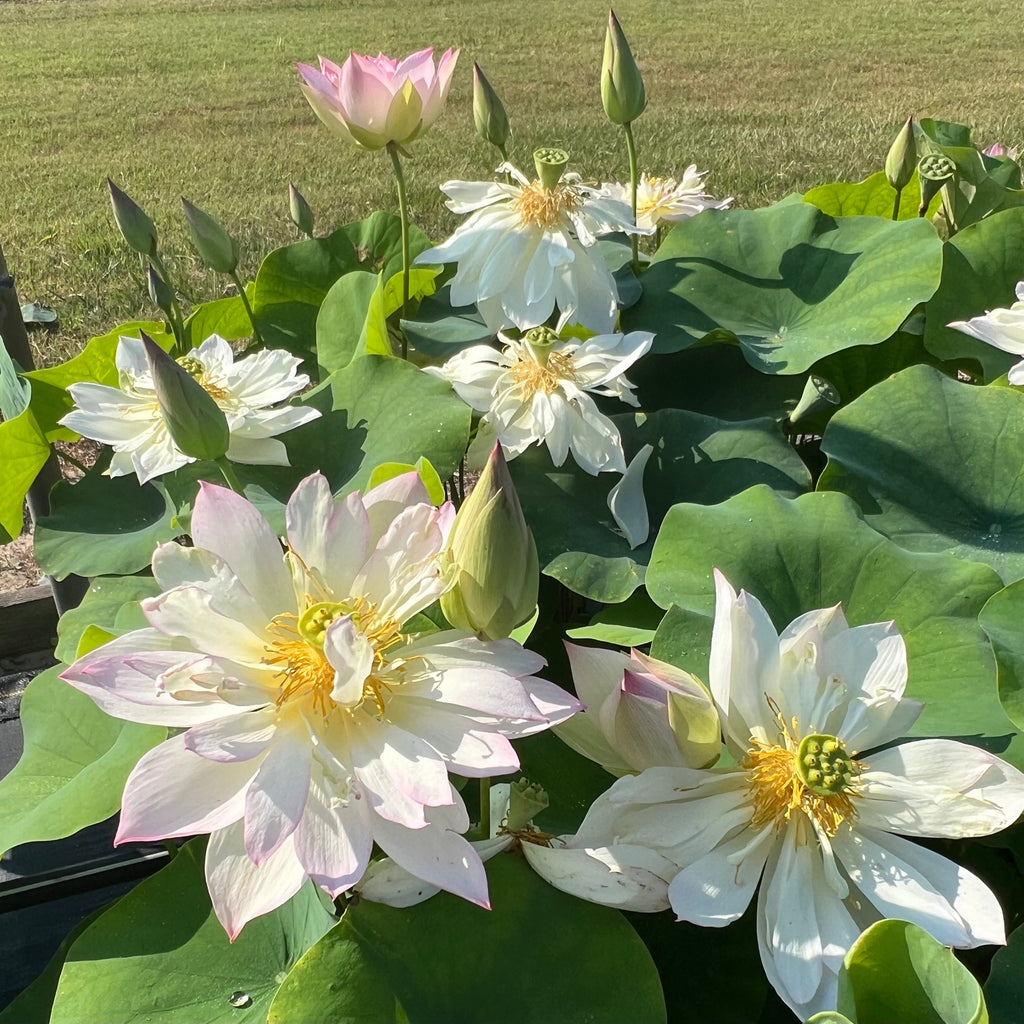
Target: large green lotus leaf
column 340, row 320
column 111, row 603
column 1004, row 990
column 291, row 284
column 95, row 363
column 404, row 413
column 872, row 197
column 1002, row 619
column 103, row 526
column 74, row 765
column 377, row 241
column 538, row 956
column 714, row 380
column 792, row 284
column 160, row 955
column 897, row 973
column 695, row 457
column 226, row 317
column 440, row 330
column 23, row 452
column 980, row 267
column 936, row 465
column 816, row 551
column 629, row 624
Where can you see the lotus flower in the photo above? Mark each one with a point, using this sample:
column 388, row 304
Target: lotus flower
column 375, row 101
column 315, row 721
column 1003, row 329
column 807, row 816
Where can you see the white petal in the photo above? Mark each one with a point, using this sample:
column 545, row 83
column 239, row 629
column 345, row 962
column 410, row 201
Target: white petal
column 175, row 792
column 939, row 788
column 626, row 500
column 241, row 891
column 909, row 882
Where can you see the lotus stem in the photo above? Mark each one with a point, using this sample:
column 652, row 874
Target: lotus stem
column 631, row 151
column 403, row 210
column 248, row 308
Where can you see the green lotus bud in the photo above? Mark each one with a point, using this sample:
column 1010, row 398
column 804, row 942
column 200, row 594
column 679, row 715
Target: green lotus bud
column 488, row 112
column 494, row 558
column 194, row 420
column 217, row 248
column 159, row 292
column 622, row 88
column 135, row 227
column 525, row 801
column 302, row 214
column 901, row 160
column 934, row 171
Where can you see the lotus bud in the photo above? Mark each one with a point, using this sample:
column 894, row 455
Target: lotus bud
column 488, row 112
column 136, row 228
column 302, row 215
column 195, row 422
column 622, row 88
column 901, row 160
column 217, row 248
column 159, row 291
column 525, row 801
column 494, row 558
column 934, row 171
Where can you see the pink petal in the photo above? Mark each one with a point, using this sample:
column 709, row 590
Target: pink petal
column 239, row 889
column 175, row 792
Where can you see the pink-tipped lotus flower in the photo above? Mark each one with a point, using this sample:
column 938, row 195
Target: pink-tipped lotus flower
column 314, row 720
column 375, row 101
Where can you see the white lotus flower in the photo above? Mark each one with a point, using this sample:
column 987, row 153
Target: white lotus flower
column 249, row 392
column 665, row 199
column 626, row 877
column 314, row 726
column 806, row 813
column 1003, row 329
column 526, row 248
column 534, row 391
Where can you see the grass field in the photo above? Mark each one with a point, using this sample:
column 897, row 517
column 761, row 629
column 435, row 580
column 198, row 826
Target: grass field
column 199, row 97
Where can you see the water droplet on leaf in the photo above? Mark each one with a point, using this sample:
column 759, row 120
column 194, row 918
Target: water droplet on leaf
column 240, row 1000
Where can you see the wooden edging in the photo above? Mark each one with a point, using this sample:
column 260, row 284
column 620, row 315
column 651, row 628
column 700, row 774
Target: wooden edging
column 28, row 621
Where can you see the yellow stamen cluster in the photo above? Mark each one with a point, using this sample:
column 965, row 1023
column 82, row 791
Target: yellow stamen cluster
column 545, row 206
column 305, row 671
column 195, row 369
column 531, row 376
column 779, row 783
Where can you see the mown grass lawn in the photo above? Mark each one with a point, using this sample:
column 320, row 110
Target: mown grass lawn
column 199, row 97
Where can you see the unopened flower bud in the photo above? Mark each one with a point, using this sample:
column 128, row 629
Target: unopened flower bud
column 159, row 291
column 195, row 422
column 622, row 88
column 135, row 226
column 217, row 248
column 302, row 214
column 901, row 160
column 488, row 112
column 494, row 558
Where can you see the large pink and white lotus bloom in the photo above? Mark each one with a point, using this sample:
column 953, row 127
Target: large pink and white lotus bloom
column 249, row 391
column 526, row 248
column 316, row 722
column 805, row 813
column 535, row 391
column 375, row 101
column 1003, row 329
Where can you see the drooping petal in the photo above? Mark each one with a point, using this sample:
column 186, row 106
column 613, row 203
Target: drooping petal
column 239, row 889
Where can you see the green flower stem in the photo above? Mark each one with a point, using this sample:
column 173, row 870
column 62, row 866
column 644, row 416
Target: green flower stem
column 248, row 308
column 485, row 808
column 403, row 210
column 228, row 472
column 896, row 204
column 177, row 320
column 633, row 178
